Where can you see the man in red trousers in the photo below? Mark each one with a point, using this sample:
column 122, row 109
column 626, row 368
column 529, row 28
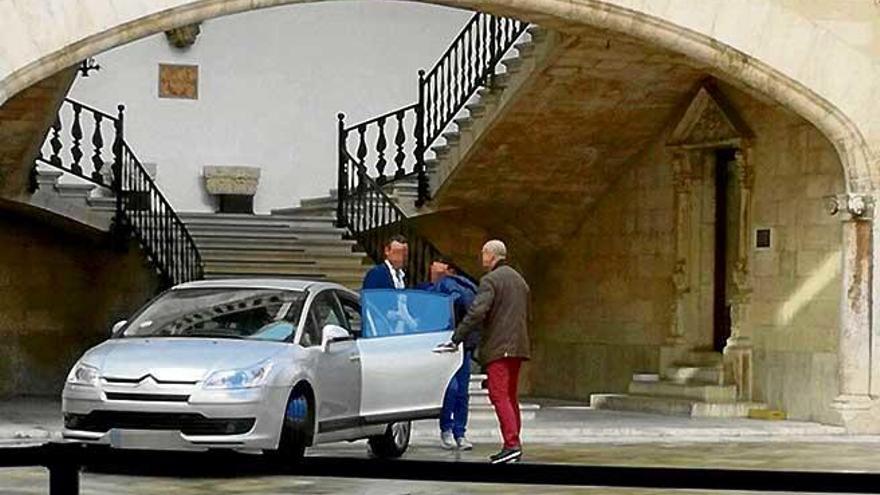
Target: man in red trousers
column 501, row 310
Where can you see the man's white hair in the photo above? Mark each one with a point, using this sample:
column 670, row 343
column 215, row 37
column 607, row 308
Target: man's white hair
column 497, row 248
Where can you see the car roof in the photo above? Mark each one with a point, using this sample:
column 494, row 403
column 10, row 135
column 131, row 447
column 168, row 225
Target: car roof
column 264, row 283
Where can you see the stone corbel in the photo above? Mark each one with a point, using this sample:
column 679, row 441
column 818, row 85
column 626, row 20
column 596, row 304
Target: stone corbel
column 184, row 36
column 851, row 207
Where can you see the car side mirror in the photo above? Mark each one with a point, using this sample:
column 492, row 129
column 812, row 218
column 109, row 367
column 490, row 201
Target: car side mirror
column 333, row 333
column 117, row 326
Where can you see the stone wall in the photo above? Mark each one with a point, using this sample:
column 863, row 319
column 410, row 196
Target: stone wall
column 795, row 310
column 61, row 289
column 602, row 302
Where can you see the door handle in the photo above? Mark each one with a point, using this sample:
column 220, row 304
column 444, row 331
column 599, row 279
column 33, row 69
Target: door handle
column 354, row 357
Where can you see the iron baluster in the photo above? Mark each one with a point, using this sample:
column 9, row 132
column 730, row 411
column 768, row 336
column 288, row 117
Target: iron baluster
column 98, row 144
column 381, row 144
column 76, row 149
column 362, row 146
column 341, row 179
column 399, row 141
column 421, row 173
column 118, row 148
column 55, row 143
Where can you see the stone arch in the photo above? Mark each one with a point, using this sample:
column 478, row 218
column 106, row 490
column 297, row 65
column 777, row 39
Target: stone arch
column 843, row 114
column 730, row 53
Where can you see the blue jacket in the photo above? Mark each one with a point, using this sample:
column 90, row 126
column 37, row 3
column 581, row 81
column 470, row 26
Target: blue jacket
column 463, row 292
column 379, row 277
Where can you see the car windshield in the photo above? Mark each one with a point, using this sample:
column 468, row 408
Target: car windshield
column 258, row 314
column 404, row 312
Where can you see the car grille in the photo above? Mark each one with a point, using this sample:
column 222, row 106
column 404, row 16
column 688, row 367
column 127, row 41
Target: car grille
column 186, row 423
column 147, row 397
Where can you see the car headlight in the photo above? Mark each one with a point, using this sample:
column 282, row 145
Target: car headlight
column 83, row 374
column 242, row 378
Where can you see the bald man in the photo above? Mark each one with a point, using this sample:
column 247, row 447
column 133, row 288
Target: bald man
column 501, row 310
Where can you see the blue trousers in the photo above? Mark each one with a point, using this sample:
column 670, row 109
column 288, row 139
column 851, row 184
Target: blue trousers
column 454, row 415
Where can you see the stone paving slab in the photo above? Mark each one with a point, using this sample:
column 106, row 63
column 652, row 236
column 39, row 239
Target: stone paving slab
column 36, row 420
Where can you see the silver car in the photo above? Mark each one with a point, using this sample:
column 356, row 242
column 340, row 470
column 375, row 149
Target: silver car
column 265, row 365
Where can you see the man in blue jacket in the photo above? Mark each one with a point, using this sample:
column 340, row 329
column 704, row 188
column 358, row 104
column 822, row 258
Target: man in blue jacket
column 454, row 415
column 389, row 274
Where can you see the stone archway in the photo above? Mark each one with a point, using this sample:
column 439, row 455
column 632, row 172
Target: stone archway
column 41, row 41
column 843, row 114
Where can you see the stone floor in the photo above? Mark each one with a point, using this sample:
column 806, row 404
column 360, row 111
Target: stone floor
column 568, row 435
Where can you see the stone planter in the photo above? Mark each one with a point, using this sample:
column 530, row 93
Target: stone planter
column 234, row 187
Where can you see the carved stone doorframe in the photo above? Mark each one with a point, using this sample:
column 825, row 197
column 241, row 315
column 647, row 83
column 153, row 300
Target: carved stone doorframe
column 708, row 124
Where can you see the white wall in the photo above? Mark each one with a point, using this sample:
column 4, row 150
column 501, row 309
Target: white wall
column 270, row 85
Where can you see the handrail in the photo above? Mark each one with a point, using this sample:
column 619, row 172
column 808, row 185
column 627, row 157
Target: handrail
column 141, row 208
column 402, row 136
column 467, row 64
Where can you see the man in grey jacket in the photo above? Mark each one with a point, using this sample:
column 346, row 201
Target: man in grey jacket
column 501, row 309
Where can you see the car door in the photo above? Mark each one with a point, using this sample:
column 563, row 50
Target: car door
column 401, row 377
column 338, row 372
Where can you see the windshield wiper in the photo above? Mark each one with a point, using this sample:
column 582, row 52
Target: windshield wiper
column 209, row 334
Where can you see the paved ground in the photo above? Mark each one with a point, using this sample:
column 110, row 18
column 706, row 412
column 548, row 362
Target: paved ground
column 37, row 420
column 556, row 435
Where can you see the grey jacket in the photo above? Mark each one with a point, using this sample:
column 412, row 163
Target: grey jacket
column 501, row 310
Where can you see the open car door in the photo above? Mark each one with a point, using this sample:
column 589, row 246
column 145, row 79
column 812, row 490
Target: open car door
column 402, row 377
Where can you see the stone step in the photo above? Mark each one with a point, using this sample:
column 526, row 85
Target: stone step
column 290, row 269
column 701, row 358
column 269, row 255
column 699, row 392
column 307, row 212
column 452, row 136
column 320, row 201
column 525, row 49
column 537, row 33
column 695, row 374
column 463, row 123
column 268, row 221
column 296, row 245
column 74, row 190
column 350, row 282
column 513, row 64
column 672, row 406
column 476, row 110
column 261, row 231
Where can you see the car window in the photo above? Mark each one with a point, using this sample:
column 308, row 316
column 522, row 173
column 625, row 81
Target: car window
column 324, row 311
column 405, row 312
column 235, row 313
column 352, row 310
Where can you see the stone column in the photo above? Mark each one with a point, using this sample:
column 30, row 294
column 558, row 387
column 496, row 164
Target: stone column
column 682, row 177
column 738, row 352
column 854, row 341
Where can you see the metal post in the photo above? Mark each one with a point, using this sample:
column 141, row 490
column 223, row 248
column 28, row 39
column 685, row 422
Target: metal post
column 421, row 173
column 119, row 220
column 63, row 478
column 341, row 182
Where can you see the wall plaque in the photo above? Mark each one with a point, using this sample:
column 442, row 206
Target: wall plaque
column 179, row 81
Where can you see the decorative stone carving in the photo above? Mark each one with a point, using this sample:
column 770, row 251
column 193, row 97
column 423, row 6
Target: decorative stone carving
column 184, row 36
column 850, row 206
column 709, row 121
column 231, row 180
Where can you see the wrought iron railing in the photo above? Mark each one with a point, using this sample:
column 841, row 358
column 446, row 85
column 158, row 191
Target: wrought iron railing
column 375, row 217
column 141, row 208
column 468, row 64
column 392, row 146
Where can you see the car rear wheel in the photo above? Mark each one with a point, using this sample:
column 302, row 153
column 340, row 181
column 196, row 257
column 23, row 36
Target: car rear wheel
column 393, row 443
column 295, row 429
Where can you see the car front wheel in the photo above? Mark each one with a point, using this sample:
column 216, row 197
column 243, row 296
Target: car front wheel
column 393, row 443
column 295, row 429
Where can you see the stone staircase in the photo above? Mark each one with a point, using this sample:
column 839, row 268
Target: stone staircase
column 72, row 198
column 477, row 115
column 697, row 386
column 300, row 242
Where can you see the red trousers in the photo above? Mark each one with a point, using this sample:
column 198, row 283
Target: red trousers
column 503, row 383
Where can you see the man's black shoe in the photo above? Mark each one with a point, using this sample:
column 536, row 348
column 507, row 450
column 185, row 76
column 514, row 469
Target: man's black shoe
column 506, row 456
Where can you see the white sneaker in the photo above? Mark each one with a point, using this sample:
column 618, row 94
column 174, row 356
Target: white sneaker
column 464, row 444
column 447, row 441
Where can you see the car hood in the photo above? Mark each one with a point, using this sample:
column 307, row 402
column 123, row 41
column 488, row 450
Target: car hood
column 176, row 359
